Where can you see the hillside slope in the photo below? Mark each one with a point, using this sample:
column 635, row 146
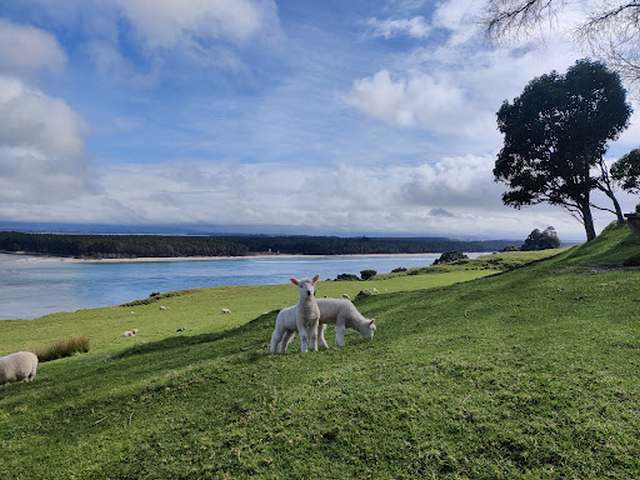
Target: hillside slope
column 528, row 374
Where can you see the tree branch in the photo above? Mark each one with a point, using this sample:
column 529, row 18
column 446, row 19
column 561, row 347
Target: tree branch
column 604, row 209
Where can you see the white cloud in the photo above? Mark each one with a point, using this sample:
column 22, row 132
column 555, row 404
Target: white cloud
column 210, row 33
column 168, row 23
column 416, row 27
column 452, row 196
column 42, row 151
column 25, row 49
column 422, row 100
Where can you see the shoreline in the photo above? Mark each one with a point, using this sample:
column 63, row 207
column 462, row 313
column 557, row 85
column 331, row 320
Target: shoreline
column 30, row 257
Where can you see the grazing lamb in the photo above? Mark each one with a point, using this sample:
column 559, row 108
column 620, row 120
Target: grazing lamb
column 162, row 307
column 341, row 313
column 130, row 333
column 226, row 311
column 18, row 366
column 304, row 317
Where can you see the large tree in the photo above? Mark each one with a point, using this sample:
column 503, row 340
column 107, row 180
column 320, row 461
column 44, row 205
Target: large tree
column 555, row 137
column 611, row 28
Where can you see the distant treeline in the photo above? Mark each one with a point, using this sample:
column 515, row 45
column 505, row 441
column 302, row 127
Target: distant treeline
column 128, row 246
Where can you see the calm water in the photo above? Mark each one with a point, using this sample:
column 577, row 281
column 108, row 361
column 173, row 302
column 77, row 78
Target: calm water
column 32, row 287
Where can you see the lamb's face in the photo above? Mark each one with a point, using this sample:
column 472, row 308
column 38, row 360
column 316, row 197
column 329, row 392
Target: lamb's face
column 370, row 329
column 306, row 288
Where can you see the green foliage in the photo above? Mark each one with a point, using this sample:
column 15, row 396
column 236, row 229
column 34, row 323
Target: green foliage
column 626, row 172
column 538, row 240
column 531, row 374
column 63, row 348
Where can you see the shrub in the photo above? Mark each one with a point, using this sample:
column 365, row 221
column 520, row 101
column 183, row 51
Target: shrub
column 638, row 209
column 63, row 348
column 367, row 274
column 450, row 257
column 348, row 276
column 399, row 270
column 632, row 261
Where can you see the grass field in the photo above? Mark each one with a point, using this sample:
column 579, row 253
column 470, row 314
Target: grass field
column 529, row 374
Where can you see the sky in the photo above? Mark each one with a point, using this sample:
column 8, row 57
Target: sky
column 333, row 116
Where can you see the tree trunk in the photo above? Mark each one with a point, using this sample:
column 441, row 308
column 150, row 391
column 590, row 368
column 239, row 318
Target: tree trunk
column 617, row 207
column 606, row 185
column 587, row 220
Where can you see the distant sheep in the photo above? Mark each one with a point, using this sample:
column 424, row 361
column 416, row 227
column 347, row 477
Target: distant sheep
column 18, row 366
column 162, row 307
column 130, row 333
column 226, row 311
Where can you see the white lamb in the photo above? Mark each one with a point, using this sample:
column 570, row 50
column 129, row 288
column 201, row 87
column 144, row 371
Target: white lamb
column 18, row 366
column 130, row 333
column 303, row 316
column 339, row 312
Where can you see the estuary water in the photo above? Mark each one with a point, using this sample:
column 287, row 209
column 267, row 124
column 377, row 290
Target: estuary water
column 33, row 286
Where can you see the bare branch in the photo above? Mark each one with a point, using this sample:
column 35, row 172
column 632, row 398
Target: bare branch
column 611, row 31
column 604, row 209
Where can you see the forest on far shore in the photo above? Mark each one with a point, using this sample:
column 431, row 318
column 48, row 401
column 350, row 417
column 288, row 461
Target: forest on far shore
column 132, row 246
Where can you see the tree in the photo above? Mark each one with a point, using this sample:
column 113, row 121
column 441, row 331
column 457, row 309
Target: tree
column 611, row 28
column 538, row 240
column 556, row 134
column 626, row 172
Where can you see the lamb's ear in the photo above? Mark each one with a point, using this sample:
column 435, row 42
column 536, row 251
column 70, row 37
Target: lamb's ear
column 294, row 280
column 372, row 321
column 315, row 279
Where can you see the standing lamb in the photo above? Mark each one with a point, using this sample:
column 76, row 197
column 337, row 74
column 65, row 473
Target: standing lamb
column 304, row 317
column 341, row 313
column 18, row 366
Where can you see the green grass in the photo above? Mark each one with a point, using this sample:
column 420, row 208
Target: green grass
column 501, row 261
column 195, row 311
column 529, row 374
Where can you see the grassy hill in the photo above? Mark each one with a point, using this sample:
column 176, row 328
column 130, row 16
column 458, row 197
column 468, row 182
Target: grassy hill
column 529, row 374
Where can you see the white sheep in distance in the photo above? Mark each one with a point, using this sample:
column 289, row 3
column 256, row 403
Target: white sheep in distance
column 226, row 311
column 18, row 366
column 339, row 312
column 303, row 316
column 130, row 333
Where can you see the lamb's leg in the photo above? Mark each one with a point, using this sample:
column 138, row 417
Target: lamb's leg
column 313, row 338
column 304, row 344
column 276, row 336
column 321, row 340
column 340, row 331
column 286, row 340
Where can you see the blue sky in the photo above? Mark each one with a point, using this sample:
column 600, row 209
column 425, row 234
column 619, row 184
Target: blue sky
column 334, row 116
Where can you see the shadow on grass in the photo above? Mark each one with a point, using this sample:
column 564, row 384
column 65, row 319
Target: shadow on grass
column 176, row 342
